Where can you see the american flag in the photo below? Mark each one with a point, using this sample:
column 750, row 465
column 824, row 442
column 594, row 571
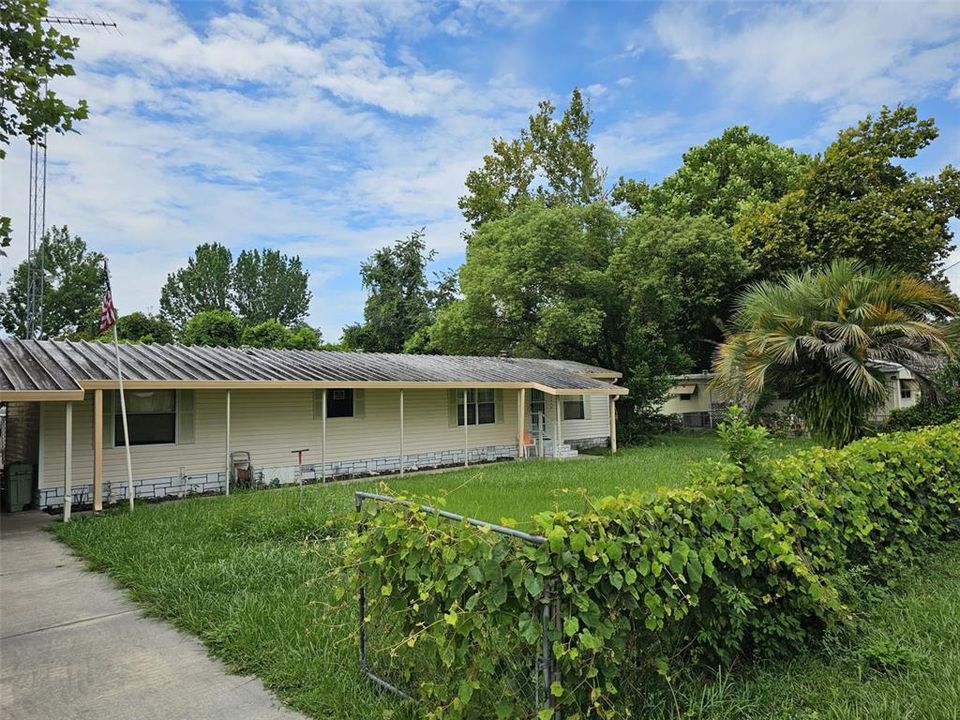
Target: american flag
column 108, row 313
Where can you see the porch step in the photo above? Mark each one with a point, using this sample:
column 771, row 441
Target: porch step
column 565, row 451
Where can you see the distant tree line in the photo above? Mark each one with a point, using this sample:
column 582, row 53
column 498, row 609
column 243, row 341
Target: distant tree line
column 261, row 301
column 642, row 278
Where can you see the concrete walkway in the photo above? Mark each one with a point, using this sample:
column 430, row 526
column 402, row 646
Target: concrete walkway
column 73, row 647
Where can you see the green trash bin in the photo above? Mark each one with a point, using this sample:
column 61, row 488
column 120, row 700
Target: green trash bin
column 17, row 486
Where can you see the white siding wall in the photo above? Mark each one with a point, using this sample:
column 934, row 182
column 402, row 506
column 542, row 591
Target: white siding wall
column 269, row 424
column 700, row 402
column 595, row 425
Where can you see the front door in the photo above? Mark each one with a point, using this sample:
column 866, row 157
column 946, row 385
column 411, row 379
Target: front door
column 538, row 416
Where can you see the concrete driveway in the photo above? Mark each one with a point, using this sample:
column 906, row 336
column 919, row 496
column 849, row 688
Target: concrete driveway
column 72, row 646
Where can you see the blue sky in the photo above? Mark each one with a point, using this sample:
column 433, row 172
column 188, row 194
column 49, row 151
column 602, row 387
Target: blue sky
column 330, row 129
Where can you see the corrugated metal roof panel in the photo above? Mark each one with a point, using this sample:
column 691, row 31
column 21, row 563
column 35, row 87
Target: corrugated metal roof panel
column 52, row 366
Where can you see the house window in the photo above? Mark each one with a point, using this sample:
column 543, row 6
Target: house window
column 151, row 417
column 573, row 409
column 340, row 403
column 905, row 392
column 481, row 407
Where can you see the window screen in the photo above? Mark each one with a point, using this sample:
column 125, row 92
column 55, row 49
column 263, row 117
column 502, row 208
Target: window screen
column 340, row 403
column 151, row 416
column 573, row 409
column 481, row 407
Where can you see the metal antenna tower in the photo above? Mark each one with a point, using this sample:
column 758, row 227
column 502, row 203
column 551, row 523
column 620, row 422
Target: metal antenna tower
column 37, row 202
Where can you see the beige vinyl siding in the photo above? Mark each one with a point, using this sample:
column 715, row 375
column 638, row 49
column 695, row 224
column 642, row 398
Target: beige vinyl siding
column 269, row 424
column 595, row 424
column 700, row 402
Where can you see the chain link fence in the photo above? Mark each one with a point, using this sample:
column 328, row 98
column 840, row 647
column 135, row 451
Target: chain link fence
column 524, row 669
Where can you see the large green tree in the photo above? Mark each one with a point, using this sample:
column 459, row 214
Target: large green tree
column 72, row 288
column 535, row 283
column 400, row 301
column 856, row 200
column 218, row 328
column 259, row 286
column 271, row 334
column 268, row 285
column 31, row 53
column 721, row 178
column 138, row 327
column 204, row 284
column 551, row 161
column 678, row 277
column 815, row 339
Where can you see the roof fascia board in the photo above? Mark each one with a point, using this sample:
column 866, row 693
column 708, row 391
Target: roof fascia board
column 41, row 395
column 330, row 384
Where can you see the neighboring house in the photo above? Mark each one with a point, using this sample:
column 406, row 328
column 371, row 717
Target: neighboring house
column 693, row 400
column 698, row 405
column 189, row 408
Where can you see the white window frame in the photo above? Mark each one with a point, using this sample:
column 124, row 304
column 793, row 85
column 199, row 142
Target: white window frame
column 473, row 399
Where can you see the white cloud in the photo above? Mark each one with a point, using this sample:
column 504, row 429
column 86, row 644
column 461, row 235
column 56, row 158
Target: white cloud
column 292, row 127
column 822, row 52
column 640, row 143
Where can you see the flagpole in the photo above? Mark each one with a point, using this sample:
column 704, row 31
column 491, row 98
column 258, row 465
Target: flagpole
column 123, row 402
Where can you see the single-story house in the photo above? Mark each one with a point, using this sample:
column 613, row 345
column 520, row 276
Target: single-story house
column 693, row 399
column 190, row 408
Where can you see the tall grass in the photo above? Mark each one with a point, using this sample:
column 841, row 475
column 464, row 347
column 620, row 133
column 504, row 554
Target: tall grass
column 250, row 575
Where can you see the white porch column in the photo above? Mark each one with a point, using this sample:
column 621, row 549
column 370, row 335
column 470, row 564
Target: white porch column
column 98, row 450
column 521, row 419
column 401, row 432
column 323, row 437
column 226, row 477
column 68, row 463
column 613, row 424
column 557, row 402
column 466, row 436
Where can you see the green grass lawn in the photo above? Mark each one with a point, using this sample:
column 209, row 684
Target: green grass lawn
column 253, row 576
column 901, row 661
column 520, row 490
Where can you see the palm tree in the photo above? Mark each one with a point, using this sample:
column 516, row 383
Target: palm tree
column 816, row 337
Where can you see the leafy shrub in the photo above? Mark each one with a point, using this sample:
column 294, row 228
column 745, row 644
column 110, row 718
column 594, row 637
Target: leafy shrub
column 752, row 559
column 217, row 328
column 640, row 425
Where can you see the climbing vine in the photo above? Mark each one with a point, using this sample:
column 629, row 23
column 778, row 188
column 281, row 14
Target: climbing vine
column 750, row 559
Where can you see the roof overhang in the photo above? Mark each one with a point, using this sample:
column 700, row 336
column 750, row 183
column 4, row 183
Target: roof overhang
column 41, row 395
column 683, row 390
column 328, row 384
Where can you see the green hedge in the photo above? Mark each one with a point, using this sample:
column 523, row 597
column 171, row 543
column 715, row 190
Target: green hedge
column 755, row 557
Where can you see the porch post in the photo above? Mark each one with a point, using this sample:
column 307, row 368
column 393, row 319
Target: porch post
column 401, row 432
column 97, row 450
column 68, row 463
column 226, row 477
column 323, row 436
column 613, row 424
column 521, row 418
column 466, row 436
column 557, row 402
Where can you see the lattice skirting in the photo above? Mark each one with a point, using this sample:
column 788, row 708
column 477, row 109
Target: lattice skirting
column 180, row 486
column 585, row 443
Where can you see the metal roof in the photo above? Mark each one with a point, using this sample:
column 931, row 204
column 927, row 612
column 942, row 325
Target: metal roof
column 593, row 371
column 63, row 369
